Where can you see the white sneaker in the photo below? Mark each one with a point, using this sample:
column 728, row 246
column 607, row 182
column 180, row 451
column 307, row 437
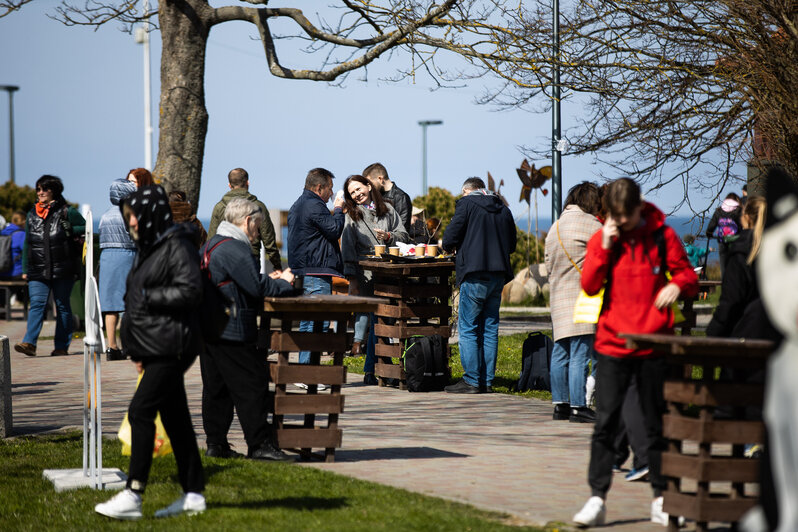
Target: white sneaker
column 660, row 517
column 319, row 387
column 189, row 504
column 590, row 390
column 593, row 513
column 124, row 505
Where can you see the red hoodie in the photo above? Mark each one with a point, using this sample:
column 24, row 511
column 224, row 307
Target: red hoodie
column 634, row 284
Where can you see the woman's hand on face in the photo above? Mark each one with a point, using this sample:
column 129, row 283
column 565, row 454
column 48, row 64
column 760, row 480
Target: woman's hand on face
column 667, row 296
column 609, row 232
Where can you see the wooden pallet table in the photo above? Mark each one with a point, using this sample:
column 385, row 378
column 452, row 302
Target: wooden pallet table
column 418, row 304
column 709, row 479
column 6, row 288
column 313, row 433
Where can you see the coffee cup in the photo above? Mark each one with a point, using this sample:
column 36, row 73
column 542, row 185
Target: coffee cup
column 394, row 250
column 379, row 249
column 432, row 250
column 420, row 250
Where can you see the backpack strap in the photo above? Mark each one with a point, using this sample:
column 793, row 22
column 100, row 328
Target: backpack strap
column 206, row 258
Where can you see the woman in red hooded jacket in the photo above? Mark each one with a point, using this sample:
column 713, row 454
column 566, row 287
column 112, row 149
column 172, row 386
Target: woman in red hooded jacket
column 625, row 255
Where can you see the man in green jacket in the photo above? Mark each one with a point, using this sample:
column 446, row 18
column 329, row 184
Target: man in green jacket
column 239, row 188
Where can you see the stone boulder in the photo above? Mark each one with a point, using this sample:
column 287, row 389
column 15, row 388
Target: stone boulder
column 529, row 282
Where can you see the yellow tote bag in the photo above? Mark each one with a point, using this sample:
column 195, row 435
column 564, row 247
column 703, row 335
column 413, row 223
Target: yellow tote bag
column 588, row 308
column 162, row 445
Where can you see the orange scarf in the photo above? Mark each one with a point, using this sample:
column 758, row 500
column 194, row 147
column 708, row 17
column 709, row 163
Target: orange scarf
column 43, row 209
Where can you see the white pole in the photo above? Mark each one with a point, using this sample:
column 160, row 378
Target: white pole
column 147, row 91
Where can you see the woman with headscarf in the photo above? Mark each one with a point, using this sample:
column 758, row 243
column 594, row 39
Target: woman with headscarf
column 370, row 221
column 51, row 263
column 159, row 333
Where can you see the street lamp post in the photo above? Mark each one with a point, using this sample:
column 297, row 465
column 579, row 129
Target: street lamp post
column 10, row 90
column 143, row 37
column 556, row 139
column 424, row 124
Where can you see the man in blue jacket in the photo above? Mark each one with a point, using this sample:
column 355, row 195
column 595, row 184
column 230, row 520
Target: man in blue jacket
column 313, row 233
column 483, row 233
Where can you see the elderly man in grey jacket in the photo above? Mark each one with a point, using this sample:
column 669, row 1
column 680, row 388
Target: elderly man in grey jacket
column 566, row 245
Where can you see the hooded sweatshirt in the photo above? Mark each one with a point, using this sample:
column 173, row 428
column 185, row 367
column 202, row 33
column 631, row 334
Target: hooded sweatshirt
column 631, row 267
column 483, row 232
column 113, row 230
column 726, row 222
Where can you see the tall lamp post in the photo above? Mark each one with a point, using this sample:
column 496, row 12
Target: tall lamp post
column 557, row 145
column 10, row 89
column 424, row 124
column 143, row 37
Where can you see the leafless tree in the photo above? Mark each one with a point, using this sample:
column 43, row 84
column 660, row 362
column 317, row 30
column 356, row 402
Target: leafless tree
column 672, row 91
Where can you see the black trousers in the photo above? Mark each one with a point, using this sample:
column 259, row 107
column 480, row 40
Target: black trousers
column 162, row 390
column 613, row 378
column 234, row 375
column 632, row 431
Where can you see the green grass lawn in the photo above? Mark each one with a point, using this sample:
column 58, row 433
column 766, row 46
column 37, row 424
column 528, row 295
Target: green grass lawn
column 241, row 495
column 508, row 366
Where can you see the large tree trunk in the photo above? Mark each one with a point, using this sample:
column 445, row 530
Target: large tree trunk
column 183, row 120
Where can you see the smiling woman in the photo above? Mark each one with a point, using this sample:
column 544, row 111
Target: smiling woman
column 369, row 222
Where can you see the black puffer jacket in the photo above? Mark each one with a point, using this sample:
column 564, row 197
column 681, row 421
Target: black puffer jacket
column 50, row 250
column 164, row 286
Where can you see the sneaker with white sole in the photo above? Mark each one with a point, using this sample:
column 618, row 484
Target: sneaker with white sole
column 124, row 505
column 636, row 474
column 189, row 504
column 593, row 513
column 590, row 390
column 659, row 516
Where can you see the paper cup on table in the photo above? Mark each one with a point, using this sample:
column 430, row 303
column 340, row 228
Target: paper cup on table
column 394, row 250
column 420, row 250
column 379, row 249
column 432, row 250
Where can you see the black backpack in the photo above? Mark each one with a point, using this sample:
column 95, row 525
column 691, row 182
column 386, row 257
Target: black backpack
column 6, row 255
column 426, row 363
column 535, row 363
column 216, row 308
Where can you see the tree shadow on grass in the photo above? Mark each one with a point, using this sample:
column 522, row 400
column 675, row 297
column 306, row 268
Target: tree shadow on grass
column 293, row 503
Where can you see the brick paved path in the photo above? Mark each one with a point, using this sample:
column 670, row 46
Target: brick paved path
column 497, row 452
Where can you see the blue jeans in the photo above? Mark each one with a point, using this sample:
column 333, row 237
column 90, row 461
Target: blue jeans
column 365, row 323
column 478, row 322
column 38, row 293
column 314, row 285
column 569, row 368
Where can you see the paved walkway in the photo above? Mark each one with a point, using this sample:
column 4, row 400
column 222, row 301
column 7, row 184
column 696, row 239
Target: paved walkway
column 497, row 452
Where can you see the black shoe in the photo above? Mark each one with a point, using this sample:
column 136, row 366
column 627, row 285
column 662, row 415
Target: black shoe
column 486, row 389
column 461, row 387
column 216, row 450
column 114, row 354
column 562, row 411
column 582, row 414
column 267, row 451
column 370, row 380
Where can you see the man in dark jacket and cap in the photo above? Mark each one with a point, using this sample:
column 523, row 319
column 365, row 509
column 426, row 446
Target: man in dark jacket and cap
column 160, row 336
column 483, row 233
column 313, row 234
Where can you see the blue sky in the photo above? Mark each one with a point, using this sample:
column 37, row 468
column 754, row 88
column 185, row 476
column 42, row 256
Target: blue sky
column 79, row 115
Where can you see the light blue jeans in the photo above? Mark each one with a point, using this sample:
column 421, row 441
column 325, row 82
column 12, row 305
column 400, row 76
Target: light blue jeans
column 478, row 323
column 314, row 285
column 364, row 323
column 38, row 293
column 569, row 369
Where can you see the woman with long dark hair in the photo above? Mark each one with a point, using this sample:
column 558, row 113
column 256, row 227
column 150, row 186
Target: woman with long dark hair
column 51, row 263
column 370, row 221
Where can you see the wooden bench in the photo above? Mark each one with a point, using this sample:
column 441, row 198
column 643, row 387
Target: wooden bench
column 417, row 304
column 709, row 479
column 310, row 403
column 7, row 288
column 690, row 316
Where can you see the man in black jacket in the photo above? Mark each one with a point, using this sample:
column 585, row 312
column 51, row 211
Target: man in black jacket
column 398, row 198
column 233, row 373
column 483, row 232
column 313, row 235
column 159, row 335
